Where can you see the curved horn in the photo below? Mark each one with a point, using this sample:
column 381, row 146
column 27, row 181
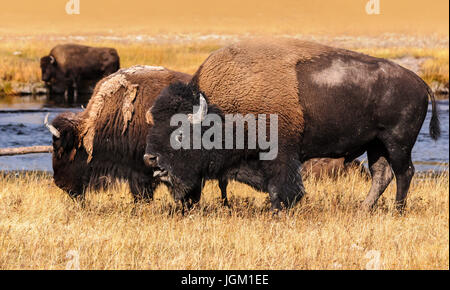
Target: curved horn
column 52, row 59
column 201, row 113
column 51, row 128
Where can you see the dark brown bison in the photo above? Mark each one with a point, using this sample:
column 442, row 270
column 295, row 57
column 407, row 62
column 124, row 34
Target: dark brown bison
column 70, row 67
column 330, row 102
column 107, row 140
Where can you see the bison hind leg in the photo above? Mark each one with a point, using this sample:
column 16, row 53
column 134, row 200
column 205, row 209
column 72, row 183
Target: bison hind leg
column 381, row 172
column 404, row 171
column 223, row 183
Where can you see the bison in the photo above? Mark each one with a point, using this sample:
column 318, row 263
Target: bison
column 70, row 67
column 329, row 102
column 106, row 141
column 331, row 167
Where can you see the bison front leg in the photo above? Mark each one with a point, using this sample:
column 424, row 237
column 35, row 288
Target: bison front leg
column 76, row 81
column 193, row 197
column 142, row 191
column 66, row 95
column 285, row 186
column 75, row 92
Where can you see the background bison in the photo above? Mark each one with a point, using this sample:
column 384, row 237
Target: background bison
column 107, row 140
column 331, row 167
column 312, row 89
column 71, row 69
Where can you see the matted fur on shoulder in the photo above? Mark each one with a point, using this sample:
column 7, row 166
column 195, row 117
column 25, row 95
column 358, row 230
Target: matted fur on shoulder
column 111, row 115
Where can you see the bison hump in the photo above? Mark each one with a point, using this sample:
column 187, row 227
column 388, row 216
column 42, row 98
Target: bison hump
column 259, row 77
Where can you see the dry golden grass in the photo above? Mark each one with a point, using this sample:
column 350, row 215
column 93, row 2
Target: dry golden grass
column 435, row 68
column 39, row 225
column 19, row 59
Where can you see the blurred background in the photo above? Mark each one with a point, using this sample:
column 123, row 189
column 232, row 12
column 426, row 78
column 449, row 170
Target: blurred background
column 347, row 17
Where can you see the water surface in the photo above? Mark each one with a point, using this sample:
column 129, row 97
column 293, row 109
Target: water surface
column 21, row 124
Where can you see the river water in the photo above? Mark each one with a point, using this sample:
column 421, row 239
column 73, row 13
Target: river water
column 21, row 124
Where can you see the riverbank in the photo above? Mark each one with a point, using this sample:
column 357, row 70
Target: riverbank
column 428, row 56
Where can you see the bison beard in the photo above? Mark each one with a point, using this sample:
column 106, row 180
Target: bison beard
column 313, row 89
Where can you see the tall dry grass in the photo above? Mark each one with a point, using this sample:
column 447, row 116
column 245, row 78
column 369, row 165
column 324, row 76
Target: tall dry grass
column 19, row 59
column 435, row 67
column 40, row 228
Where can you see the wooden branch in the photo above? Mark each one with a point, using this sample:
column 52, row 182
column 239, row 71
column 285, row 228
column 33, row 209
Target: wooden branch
column 25, row 150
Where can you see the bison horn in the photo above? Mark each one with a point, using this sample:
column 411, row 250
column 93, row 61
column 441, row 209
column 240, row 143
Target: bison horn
column 52, row 59
column 51, row 128
column 201, row 113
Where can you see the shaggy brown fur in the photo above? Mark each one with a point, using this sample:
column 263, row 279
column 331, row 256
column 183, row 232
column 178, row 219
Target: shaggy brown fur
column 109, row 137
column 251, row 74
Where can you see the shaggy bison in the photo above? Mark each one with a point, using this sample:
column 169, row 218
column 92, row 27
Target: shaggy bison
column 107, row 140
column 330, row 102
column 70, row 67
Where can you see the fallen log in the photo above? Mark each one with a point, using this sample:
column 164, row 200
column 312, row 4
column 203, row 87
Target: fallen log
column 25, row 150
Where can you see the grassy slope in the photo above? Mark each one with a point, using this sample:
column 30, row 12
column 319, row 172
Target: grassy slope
column 39, row 224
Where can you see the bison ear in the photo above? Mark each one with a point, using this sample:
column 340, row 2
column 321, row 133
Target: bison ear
column 66, row 144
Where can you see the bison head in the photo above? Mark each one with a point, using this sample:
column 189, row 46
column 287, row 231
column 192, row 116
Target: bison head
column 48, row 67
column 183, row 167
column 67, row 160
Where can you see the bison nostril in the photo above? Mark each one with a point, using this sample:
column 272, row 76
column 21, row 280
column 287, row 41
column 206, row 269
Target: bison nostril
column 150, row 160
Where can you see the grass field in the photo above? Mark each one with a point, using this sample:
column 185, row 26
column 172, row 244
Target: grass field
column 19, row 59
column 41, row 228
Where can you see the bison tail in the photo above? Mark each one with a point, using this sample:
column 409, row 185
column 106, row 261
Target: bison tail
column 435, row 127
